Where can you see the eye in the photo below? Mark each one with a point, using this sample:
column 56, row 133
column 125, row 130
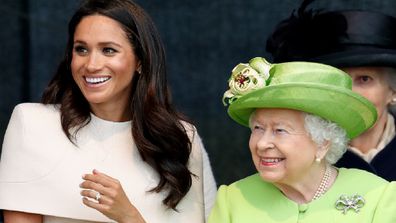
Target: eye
column 257, row 128
column 364, row 79
column 109, row 51
column 81, row 50
column 280, row 131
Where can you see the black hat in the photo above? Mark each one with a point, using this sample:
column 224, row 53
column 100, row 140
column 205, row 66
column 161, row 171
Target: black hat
column 338, row 38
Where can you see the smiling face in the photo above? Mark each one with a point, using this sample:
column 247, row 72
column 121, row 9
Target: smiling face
column 103, row 63
column 281, row 149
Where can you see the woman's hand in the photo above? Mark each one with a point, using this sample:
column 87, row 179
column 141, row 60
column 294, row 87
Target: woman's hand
column 111, row 199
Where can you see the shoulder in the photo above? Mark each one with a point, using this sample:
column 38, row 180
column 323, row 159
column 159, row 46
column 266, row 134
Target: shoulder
column 357, row 175
column 36, row 109
column 379, row 195
column 34, row 118
column 386, row 208
column 245, row 196
column 366, row 184
column 251, row 182
column 247, row 187
column 190, row 129
column 195, row 139
column 33, row 143
column 197, row 148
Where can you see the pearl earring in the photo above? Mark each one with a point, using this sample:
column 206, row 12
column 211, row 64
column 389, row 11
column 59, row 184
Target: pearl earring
column 317, row 160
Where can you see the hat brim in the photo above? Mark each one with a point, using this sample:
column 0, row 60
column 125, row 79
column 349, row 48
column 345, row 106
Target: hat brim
column 360, row 56
column 349, row 110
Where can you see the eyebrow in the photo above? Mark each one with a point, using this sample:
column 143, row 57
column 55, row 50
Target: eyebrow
column 280, row 123
column 283, row 124
column 100, row 43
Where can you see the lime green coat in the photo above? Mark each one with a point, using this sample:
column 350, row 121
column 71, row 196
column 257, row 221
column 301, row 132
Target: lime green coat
column 252, row 200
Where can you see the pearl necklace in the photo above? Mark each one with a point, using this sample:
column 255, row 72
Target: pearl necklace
column 324, row 184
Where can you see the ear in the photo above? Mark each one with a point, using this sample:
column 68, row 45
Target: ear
column 139, row 67
column 323, row 149
column 393, row 98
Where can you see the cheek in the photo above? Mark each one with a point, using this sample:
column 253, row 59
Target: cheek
column 74, row 71
column 119, row 64
column 365, row 92
column 124, row 68
column 380, row 99
column 374, row 95
column 75, row 66
column 253, row 148
column 252, row 144
column 302, row 154
column 126, row 62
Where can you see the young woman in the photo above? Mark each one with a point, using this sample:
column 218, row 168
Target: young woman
column 106, row 116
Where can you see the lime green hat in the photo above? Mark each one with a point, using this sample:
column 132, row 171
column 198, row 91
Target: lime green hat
column 314, row 88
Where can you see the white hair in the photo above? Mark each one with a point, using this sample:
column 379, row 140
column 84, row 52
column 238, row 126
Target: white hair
column 322, row 130
column 390, row 77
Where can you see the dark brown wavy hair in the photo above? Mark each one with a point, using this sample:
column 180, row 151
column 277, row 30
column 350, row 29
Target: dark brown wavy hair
column 159, row 135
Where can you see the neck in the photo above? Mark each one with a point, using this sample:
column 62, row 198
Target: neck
column 370, row 138
column 303, row 190
column 111, row 113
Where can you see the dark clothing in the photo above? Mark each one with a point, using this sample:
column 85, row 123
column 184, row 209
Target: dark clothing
column 383, row 164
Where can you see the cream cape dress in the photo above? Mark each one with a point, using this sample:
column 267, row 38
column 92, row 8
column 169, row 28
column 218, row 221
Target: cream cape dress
column 40, row 169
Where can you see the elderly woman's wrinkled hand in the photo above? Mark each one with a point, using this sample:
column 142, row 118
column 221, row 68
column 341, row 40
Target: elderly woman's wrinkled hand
column 105, row 194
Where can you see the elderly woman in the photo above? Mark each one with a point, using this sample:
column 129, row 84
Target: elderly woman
column 301, row 115
column 363, row 44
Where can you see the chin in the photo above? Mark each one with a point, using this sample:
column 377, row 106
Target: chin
column 95, row 99
column 269, row 177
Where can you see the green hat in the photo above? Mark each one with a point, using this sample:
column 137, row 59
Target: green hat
column 314, row 88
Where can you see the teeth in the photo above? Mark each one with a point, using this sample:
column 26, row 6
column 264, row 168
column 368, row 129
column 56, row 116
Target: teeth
column 96, row 80
column 272, row 160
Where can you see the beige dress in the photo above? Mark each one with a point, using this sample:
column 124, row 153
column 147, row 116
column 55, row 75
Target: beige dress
column 40, row 169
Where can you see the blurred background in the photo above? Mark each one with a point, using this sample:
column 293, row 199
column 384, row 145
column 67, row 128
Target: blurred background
column 204, row 40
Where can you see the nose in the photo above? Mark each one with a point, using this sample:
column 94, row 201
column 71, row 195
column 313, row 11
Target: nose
column 94, row 62
column 266, row 141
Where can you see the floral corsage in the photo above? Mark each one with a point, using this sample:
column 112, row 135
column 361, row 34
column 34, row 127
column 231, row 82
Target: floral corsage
column 246, row 78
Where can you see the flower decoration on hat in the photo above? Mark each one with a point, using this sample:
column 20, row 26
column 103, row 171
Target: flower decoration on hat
column 246, row 78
